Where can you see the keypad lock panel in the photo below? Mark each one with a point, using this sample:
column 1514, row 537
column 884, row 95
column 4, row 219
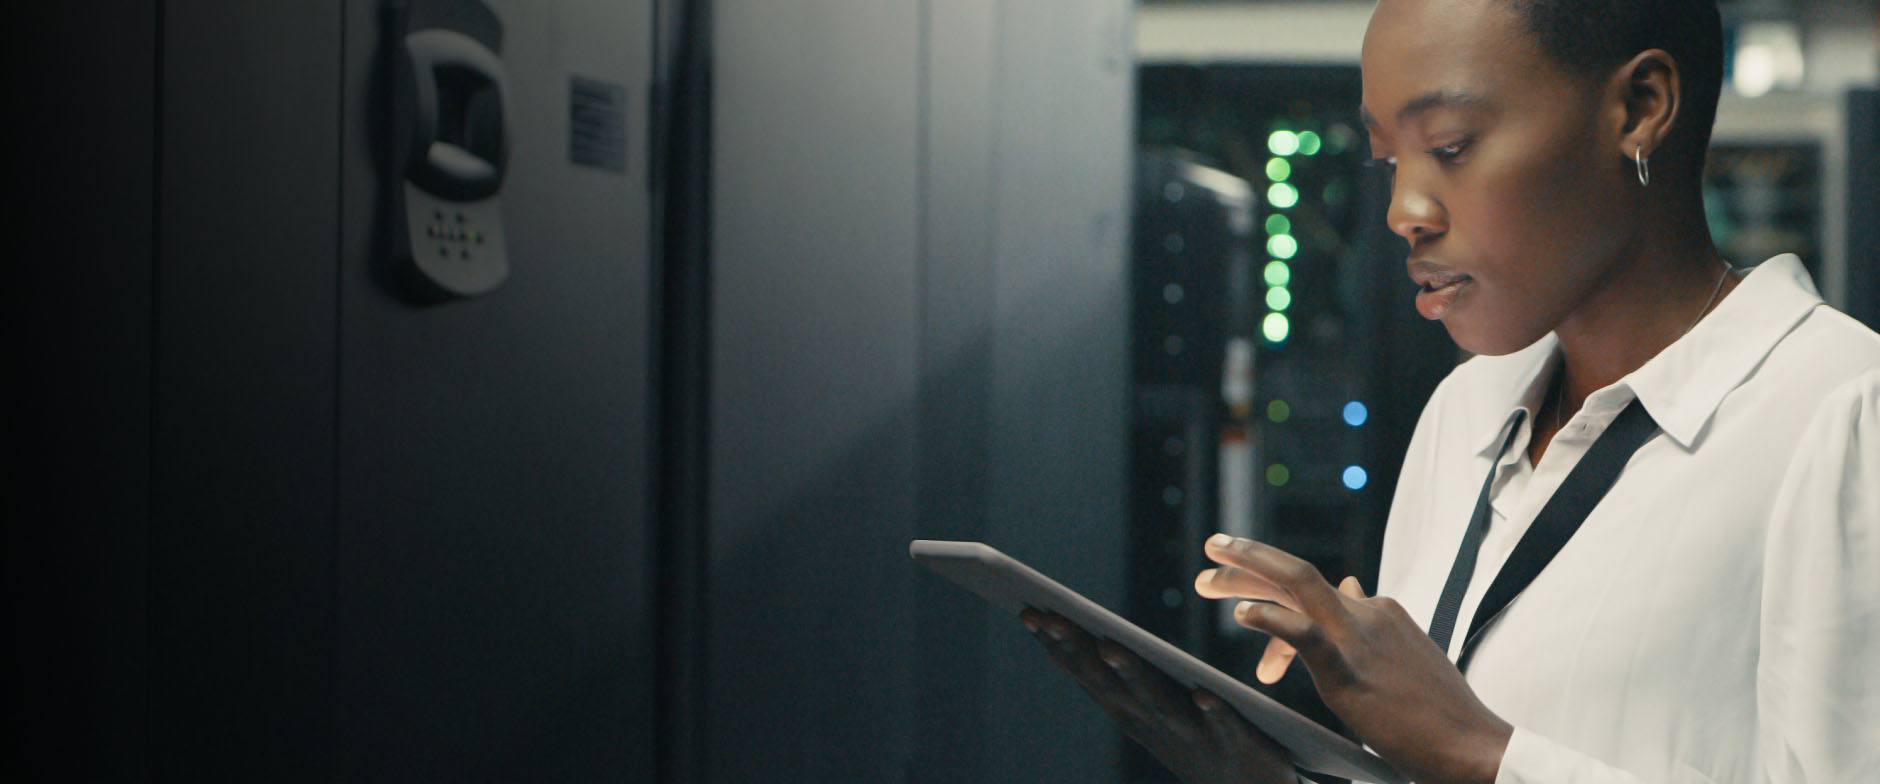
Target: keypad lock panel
column 459, row 246
column 450, row 148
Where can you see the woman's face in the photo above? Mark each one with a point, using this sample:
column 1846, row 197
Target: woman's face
column 1507, row 180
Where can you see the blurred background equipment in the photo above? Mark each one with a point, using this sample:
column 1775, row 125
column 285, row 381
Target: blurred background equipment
column 1863, row 204
column 1278, row 362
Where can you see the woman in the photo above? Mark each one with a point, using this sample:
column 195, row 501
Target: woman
column 1715, row 616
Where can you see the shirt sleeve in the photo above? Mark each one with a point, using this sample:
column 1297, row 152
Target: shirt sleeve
column 1532, row 759
column 1817, row 684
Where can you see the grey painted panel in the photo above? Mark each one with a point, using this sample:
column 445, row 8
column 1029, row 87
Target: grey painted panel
column 1058, row 448
column 495, row 616
column 814, row 351
column 242, row 529
column 943, row 183
column 957, row 278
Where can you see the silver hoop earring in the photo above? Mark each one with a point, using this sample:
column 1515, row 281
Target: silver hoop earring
column 1644, row 165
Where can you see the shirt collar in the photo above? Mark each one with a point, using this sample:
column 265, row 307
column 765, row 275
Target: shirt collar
column 1684, row 384
column 1529, row 371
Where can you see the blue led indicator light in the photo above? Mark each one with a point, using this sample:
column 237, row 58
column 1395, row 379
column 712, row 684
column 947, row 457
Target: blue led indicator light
column 1355, row 477
column 1356, row 413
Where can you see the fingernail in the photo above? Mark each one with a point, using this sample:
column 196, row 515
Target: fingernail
column 1030, row 623
column 1220, row 540
column 1205, row 703
column 1115, row 661
column 1244, row 608
column 1055, row 633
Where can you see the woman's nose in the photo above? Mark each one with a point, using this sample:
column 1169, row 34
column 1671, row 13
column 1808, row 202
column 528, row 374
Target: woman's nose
column 1414, row 214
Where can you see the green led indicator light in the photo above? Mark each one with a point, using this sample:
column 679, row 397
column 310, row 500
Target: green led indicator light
column 1278, row 411
column 1282, row 246
column 1277, row 169
column 1282, row 195
column 1283, row 143
column 1278, row 224
column 1275, row 327
column 1277, row 475
column 1277, row 273
column 1278, row 298
column 1308, row 143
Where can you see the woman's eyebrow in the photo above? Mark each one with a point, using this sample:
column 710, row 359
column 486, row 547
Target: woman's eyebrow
column 1434, row 99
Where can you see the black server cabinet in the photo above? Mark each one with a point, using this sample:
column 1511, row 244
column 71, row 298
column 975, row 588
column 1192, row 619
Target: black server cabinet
column 1863, row 203
column 304, row 527
column 1280, row 365
column 493, row 567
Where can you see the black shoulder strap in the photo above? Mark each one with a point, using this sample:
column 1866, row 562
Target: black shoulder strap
column 1584, row 486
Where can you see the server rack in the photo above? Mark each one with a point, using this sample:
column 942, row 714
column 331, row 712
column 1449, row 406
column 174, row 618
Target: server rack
column 1279, row 364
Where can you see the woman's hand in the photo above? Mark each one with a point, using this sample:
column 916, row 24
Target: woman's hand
column 1194, row 733
column 1374, row 666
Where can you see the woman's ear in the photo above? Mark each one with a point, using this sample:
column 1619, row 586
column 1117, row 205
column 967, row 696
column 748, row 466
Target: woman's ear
column 1648, row 88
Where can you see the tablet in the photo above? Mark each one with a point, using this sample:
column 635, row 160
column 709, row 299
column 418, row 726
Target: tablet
column 1013, row 586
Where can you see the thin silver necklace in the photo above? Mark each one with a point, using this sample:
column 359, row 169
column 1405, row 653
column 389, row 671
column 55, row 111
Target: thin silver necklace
column 1714, row 291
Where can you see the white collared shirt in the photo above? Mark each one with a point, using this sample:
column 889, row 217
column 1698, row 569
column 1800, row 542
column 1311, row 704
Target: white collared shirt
column 1717, row 616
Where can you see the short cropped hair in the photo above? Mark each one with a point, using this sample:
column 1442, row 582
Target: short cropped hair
column 1592, row 37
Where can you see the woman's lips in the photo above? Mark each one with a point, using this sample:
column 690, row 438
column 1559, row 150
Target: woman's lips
column 1437, row 296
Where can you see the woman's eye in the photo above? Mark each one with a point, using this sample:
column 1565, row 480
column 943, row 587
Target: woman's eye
column 1448, row 153
column 1382, row 163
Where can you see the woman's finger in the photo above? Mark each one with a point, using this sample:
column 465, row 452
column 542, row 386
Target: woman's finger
column 1074, row 652
column 1296, row 628
column 1229, row 729
column 1228, row 582
column 1273, row 663
column 1330, row 670
column 1159, row 695
column 1314, row 596
column 1279, row 654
